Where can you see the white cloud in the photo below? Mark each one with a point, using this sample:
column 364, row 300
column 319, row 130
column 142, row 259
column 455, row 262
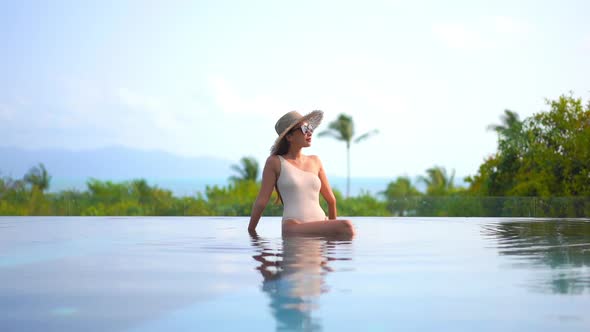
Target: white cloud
column 6, row 113
column 511, row 26
column 460, row 36
column 231, row 101
column 172, row 123
column 108, row 115
column 81, row 102
column 103, row 105
column 134, row 100
column 487, row 33
column 585, row 44
column 81, row 95
column 151, row 110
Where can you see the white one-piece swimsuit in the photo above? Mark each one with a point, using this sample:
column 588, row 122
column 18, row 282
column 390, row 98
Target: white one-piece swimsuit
column 300, row 191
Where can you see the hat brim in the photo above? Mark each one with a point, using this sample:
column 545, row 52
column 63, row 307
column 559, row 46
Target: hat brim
column 314, row 118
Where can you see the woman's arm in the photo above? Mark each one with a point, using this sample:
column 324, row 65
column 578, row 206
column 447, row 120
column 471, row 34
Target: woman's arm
column 327, row 193
column 269, row 178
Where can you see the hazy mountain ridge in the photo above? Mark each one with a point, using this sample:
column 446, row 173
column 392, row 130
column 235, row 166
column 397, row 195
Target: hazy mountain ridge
column 111, row 163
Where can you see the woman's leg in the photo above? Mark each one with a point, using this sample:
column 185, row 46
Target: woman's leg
column 324, row 227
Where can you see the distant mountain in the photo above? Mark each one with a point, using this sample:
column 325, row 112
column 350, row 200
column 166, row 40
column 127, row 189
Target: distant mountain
column 111, row 163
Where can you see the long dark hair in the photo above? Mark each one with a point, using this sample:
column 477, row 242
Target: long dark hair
column 281, row 150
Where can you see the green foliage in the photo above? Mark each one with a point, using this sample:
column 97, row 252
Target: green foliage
column 363, row 205
column 400, row 196
column 545, row 155
column 234, row 200
column 438, row 183
column 137, row 198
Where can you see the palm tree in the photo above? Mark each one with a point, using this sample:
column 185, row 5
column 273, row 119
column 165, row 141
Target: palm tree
column 38, row 177
column 510, row 132
column 142, row 190
column 402, row 187
column 247, row 170
column 438, row 183
column 342, row 129
column 510, row 123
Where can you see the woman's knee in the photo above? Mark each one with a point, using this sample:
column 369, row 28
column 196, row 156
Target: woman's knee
column 347, row 227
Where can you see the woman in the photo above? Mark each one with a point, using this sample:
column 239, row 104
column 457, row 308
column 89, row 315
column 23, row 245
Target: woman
column 298, row 179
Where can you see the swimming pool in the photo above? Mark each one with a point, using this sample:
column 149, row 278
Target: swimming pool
column 208, row 274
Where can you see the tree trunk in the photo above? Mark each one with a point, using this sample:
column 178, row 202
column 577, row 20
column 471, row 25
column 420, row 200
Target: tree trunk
column 347, row 169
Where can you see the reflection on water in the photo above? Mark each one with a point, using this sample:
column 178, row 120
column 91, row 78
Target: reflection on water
column 293, row 277
column 561, row 245
column 207, row 274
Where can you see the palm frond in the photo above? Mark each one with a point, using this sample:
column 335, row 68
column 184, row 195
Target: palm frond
column 247, row 169
column 366, row 135
column 238, row 170
column 330, row 133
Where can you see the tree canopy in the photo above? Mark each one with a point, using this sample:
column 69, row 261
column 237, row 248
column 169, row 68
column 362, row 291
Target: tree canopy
column 547, row 154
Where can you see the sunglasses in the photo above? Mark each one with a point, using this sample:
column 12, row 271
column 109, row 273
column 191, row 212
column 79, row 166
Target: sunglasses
column 306, row 128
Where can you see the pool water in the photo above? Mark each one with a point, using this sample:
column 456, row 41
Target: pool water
column 208, row 274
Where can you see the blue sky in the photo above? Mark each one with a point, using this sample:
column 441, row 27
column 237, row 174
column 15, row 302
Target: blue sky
column 210, row 78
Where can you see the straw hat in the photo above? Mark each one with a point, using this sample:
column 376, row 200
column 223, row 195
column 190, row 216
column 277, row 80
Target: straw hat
column 289, row 120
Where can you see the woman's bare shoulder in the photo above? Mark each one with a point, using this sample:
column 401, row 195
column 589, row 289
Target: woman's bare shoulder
column 273, row 162
column 315, row 159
